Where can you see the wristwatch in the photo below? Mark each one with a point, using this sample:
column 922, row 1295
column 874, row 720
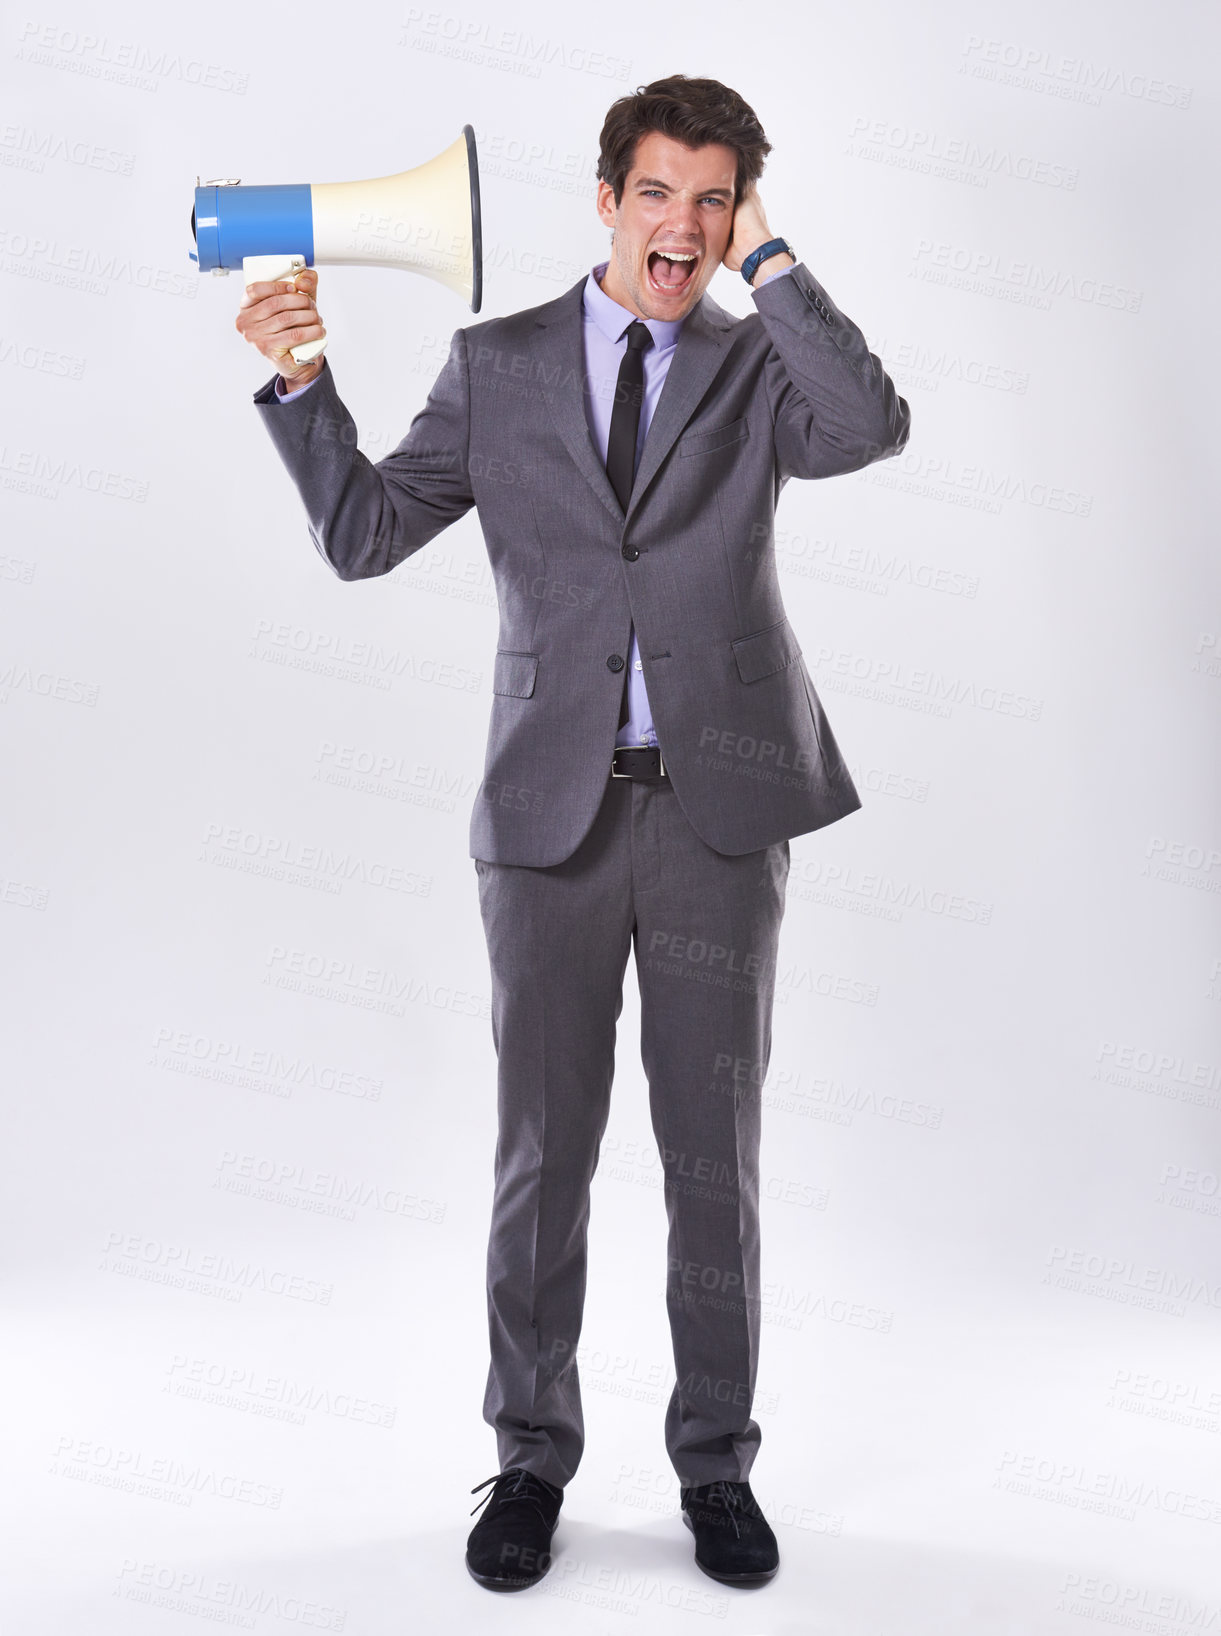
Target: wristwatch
column 773, row 247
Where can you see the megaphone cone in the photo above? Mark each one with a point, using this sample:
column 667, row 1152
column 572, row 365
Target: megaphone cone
column 425, row 220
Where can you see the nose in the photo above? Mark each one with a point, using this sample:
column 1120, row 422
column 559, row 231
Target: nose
column 682, row 218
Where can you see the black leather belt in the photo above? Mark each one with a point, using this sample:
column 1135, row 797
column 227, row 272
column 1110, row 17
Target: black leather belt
column 637, row 761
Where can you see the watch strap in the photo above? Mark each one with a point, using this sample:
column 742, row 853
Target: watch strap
column 773, row 247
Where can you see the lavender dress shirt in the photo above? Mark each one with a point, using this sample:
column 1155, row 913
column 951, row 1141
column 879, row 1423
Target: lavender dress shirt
column 605, row 328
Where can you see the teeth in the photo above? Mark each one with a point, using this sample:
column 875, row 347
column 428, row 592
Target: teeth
column 674, row 255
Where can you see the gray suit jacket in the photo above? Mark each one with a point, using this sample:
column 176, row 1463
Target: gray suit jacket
column 792, row 390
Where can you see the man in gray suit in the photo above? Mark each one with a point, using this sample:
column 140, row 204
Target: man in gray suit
column 655, row 740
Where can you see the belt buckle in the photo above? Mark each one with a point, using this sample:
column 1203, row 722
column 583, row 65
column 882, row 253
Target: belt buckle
column 661, row 766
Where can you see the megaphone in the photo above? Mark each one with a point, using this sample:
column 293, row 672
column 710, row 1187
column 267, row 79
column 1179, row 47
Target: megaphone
column 424, row 220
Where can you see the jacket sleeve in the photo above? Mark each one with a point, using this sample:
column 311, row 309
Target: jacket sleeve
column 366, row 518
column 834, row 407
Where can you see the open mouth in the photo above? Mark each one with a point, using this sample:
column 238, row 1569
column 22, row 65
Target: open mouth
column 670, row 273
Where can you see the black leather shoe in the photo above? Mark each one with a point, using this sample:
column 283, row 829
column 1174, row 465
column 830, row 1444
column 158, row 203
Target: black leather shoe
column 734, row 1542
column 510, row 1546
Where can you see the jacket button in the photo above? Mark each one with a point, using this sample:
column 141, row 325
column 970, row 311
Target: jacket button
column 631, row 552
column 615, row 662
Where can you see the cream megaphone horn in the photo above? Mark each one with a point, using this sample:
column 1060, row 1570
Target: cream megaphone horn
column 424, row 220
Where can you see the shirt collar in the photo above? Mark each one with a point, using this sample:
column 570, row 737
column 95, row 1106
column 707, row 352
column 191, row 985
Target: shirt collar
column 612, row 319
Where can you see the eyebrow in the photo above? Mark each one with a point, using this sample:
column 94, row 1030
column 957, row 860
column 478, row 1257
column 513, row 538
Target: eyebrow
column 655, row 181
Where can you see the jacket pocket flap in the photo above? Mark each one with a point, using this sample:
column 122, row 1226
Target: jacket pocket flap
column 716, row 437
column 766, row 651
column 514, row 673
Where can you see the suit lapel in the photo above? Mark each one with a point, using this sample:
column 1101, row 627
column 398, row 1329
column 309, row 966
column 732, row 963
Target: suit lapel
column 561, row 366
column 697, row 357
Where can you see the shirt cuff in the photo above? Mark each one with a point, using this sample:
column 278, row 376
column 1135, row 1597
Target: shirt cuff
column 779, row 273
column 286, row 397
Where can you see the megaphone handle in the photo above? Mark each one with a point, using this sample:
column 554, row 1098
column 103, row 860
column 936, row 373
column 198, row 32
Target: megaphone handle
column 267, row 269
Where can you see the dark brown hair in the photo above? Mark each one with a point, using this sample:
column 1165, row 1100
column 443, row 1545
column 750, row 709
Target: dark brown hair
column 692, row 111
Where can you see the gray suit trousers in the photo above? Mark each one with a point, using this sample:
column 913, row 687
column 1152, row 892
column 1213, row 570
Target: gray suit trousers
column 705, row 927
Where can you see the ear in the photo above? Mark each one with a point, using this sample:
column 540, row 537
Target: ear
column 604, row 203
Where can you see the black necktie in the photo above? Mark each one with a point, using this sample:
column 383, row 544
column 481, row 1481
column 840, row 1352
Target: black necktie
column 624, row 428
column 625, row 416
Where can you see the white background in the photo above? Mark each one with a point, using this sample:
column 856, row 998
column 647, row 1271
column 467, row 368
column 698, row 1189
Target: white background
column 990, row 1390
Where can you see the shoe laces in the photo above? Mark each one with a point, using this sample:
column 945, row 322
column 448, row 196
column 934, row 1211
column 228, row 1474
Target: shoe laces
column 730, row 1497
column 517, row 1484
